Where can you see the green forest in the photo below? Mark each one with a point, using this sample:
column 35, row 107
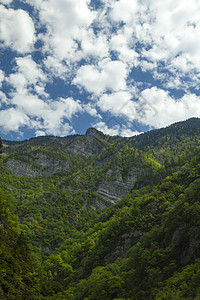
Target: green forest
column 100, row 217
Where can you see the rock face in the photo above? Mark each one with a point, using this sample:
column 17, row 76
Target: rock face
column 80, row 147
column 40, row 165
column 114, row 190
column 123, row 246
column 21, row 168
column 87, row 146
column 50, row 165
column 181, row 234
column 94, row 157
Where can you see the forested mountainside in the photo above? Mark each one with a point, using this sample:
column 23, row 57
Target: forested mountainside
column 100, row 217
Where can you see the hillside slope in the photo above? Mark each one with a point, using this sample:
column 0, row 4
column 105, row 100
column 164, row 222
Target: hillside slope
column 109, row 217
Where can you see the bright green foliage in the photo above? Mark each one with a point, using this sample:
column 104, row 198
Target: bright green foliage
column 145, row 246
column 182, row 285
column 19, row 276
column 163, row 228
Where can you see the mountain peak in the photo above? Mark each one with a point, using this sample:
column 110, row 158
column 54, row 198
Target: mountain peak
column 92, row 131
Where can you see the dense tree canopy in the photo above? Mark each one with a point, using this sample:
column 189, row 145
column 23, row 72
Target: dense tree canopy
column 61, row 239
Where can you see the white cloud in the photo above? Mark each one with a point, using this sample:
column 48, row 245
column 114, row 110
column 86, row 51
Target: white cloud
column 49, row 115
column 40, row 133
column 158, row 108
column 6, row 1
column 92, row 45
column 118, row 104
column 124, row 10
column 3, row 98
column 65, row 21
column 147, row 66
column 107, row 76
column 91, row 79
column 121, row 43
column 54, row 124
column 55, row 66
column 100, row 52
column 12, row 119
column 173, row 29
column 115, row 130
column 16, row 30
column 126, row 132
column 101, row 126
column 28, row 76
column 91, row 110
column 31, row 105
column 66, row 107
column 162, row 30
column 1, row 77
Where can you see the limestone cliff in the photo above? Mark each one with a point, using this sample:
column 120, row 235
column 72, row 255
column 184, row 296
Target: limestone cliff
column 115, row 167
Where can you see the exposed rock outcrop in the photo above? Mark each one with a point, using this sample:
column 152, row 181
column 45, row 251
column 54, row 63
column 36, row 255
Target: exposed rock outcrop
column 21, row 168
column 89, row 145
column 40, row 165
column 114, row 190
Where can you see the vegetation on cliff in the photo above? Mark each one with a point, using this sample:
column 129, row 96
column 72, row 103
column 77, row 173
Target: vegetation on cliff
column 112, row 218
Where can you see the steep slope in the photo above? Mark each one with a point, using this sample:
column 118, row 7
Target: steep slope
column 167, row 145
column 170, row 145
column 20, row 269
column 102, row 215
column 51, row 206
column 147, row 245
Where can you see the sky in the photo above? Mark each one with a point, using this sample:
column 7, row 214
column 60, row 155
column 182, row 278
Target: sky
column 120, row 66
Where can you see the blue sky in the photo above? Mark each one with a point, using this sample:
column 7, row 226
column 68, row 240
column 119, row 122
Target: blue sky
column 123, row 66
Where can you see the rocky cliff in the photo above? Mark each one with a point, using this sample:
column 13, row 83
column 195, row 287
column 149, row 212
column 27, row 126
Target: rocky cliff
column 116, row 164
column 71, row 156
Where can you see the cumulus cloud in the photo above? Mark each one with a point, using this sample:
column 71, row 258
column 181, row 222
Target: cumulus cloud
column 30, row 105
column 64, row 22
column 173, row 32
column 6, row 1
column 28, row 76
column 160, row 109
column 40, row 133
column 67, row 107
column 16, row 30
column 1, row 77
column 120, row 43
column 118, row 104
column 34, row 105
column 126, row 132
column 163, row 32
column 94, row 45
column 115, row 130
column 47, row 115
column 124, row 10
column 3, row 98
column 55, row 67
column 102, row 126
column 12, row 119
column 128, row 58
column 106, row 76
column 91, row 110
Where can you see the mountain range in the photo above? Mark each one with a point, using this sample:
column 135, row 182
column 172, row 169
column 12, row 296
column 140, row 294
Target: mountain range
column 99, row 217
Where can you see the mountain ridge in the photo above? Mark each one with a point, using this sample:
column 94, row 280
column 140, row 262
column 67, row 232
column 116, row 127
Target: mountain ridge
column 107, row 217
column 193, row 121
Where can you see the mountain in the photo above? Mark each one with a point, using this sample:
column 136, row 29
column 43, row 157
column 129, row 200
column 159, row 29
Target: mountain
column 106, row 217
